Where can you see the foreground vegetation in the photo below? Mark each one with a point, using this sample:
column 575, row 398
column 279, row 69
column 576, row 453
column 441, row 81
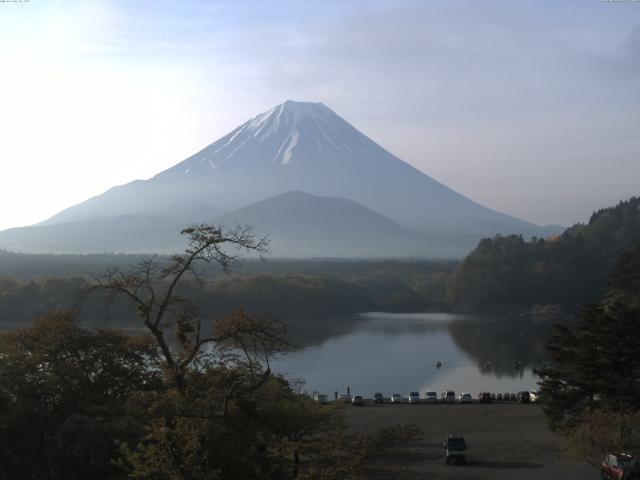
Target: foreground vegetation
column 186, row 400
column 290, row 290
column 591, row 387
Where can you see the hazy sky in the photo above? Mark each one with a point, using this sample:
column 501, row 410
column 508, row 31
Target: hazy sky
column 529, row 107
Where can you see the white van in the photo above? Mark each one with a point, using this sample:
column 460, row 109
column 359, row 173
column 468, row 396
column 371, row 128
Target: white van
column 448, row 396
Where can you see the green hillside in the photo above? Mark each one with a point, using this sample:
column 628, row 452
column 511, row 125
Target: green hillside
column 570, row 269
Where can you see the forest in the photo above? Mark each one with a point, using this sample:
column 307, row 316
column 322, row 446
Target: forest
column 570, row 269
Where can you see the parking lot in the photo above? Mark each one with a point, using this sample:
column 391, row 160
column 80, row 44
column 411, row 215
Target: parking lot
column 506, row 440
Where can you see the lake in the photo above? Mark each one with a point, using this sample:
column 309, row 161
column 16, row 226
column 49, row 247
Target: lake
column 398, row 353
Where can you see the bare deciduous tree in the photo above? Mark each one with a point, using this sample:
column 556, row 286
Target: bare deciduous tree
column 152, row 287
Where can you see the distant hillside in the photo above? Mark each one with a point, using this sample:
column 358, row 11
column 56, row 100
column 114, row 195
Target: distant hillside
column 116, row 234
column 569, row 269
column 300, row 225
column 303, row 225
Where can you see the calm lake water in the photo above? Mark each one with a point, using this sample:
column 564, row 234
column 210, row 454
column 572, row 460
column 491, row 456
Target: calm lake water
column 398, row 353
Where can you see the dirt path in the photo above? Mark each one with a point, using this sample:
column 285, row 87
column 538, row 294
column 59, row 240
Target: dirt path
column 506, row 441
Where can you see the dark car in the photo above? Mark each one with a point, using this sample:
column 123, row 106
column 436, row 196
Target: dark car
column 455, row 449
column 484, row 397
column 357, row 401
column 378, row 398
column 523, row 397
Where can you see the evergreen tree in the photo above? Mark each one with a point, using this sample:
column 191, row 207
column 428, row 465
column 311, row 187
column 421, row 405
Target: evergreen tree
column 596, row 364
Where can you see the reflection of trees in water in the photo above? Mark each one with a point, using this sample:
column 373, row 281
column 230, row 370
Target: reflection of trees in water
column 496, row 344
column 311, row 332
column 502, row 346
column 316, row 331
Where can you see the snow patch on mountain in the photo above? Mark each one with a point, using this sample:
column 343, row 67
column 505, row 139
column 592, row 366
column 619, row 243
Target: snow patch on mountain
column 286, row 158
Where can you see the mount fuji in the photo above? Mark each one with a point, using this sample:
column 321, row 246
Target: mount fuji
column 294, row 147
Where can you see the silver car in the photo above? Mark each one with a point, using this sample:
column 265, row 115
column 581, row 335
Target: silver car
column 430, row 397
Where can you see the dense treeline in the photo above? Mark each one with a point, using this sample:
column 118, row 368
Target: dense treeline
column 281, row 295
column 309, row 289
column 20, row 265
column 591, row 389
column 570, row 269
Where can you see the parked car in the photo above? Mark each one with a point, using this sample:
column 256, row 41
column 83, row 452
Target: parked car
column 357, row 401
column 523, row 397
column 506, row 396
column 430, row 397
column 513, row 397
column 321, row 398
column 455, row 449
column 448, row 396
column 414, row 397
column 378, row 398
column 344, row 398
column 465, row 398
column 484, row 397
column 617, row 466
column 397, row 398
column 499, row 396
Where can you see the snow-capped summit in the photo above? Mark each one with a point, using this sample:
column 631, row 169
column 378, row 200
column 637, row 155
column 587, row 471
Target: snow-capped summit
column 289, row 133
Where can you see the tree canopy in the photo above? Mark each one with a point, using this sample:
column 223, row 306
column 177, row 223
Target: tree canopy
column 65, row 397
column 570, row 269
column 596, row 363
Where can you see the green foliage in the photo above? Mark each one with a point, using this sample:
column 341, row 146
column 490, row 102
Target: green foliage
column 285, row 295
column 311, row 289
column 64, row 398
column 570, row 269
column 596, row 364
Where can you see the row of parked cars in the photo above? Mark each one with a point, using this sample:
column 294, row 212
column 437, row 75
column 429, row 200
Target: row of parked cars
column 430, row 396
column 530, row 396
column 449, row 396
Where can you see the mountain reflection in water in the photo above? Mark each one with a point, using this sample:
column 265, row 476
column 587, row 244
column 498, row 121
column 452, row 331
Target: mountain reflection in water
column 398, row 353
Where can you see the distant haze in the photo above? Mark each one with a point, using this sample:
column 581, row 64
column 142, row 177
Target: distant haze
column 530, row 108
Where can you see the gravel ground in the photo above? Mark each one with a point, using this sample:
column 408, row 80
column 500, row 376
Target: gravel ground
column 506, row 441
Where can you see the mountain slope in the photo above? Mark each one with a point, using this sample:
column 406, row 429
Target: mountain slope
column 300, row 146
column 114, row 234
column 305, row 146
column 304, row 225
column 299, row 213
column 298, row 224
